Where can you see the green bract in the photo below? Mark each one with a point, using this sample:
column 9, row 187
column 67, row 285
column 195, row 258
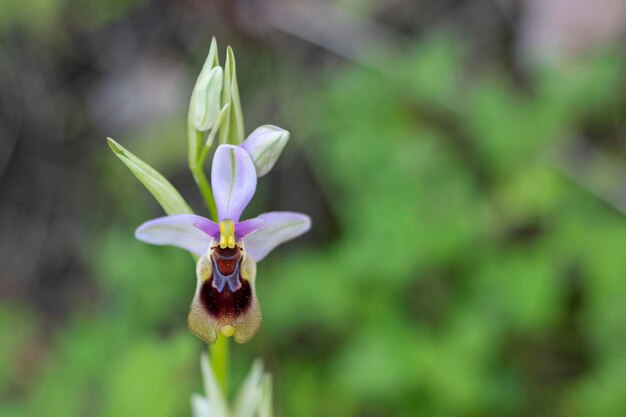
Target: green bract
column 232, row 130
column 161, row 189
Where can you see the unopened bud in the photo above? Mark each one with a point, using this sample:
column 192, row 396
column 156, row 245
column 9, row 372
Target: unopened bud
column 205, row 99
column 264, row 146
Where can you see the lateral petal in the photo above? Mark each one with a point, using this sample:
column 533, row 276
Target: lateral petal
column 278, row 227
column 186, row 231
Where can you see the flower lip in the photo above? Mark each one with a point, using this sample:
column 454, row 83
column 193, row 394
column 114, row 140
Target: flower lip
column 230, row 313
column 226, row 293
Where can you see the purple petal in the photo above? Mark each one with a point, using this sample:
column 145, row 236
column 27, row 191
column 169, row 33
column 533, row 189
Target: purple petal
column 278, row 227
column 186, row 231
column 246, row 227
column 207, row 226
column 233, row 178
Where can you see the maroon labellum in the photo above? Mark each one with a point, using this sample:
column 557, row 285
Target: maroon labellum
column 225, row 300
column 226, row 293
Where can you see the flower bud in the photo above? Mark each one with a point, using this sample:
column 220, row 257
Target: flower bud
column 205, row 99
column 232, row 130
column 264, row 146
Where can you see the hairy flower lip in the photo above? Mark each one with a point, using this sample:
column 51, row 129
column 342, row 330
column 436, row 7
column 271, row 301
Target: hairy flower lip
column 235, row 312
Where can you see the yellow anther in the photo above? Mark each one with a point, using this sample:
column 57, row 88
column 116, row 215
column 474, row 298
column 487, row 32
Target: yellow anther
column 227, row 330
column 227, row 234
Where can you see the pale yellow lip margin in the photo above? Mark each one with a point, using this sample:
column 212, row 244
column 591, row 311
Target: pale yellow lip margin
column 242, row 328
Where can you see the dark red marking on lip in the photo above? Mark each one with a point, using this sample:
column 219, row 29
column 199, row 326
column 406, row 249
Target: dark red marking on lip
column 226, row 303
column 226, row 259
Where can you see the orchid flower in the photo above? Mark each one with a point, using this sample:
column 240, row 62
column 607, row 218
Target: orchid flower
column 225, row 300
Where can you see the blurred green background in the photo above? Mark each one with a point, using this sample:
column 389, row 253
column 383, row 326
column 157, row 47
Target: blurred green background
column 463, row 163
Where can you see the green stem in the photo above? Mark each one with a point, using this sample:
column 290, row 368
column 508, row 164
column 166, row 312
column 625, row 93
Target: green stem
column 205, row 189
column 211, row 136
column 219, row 353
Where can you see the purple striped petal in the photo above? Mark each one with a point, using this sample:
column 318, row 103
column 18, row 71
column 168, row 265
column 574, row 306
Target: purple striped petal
column 278, row 227
column 233, row 178
column 246, row 227
column 187, row 231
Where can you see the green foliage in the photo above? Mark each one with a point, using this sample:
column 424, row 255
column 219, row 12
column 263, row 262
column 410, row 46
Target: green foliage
column 39, row 16
column 133, row 357
column 149, row 379
column 148, row 284
column 469, row 276
column 461, row 250
column 44, row 18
